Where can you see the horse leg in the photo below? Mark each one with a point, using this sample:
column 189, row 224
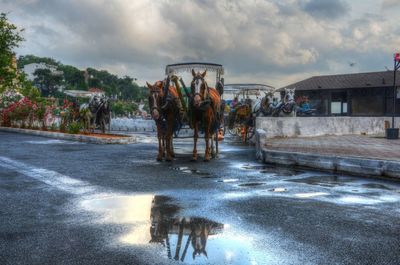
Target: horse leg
column 168, row 141
column 196, row 135
column 160, row 144
column 213, row 137
column 172, row 147
column 207, row 138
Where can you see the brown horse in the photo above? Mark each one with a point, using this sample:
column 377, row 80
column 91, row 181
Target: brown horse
column 205, row 109
column 164, row 110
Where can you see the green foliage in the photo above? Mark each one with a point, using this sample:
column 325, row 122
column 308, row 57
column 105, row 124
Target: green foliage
column 9, row 39
column 123, row 108
column 27, row 89
column 54, row 126
column 74, row 127
column 47, row 81
column 28, row 59
column 73, row 77
column 124, row 88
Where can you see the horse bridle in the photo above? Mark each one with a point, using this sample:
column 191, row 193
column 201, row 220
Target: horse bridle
column 206, row 90
column 154, row 93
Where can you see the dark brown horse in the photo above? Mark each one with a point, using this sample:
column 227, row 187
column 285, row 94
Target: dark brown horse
column 165, row 110
column 205, row 110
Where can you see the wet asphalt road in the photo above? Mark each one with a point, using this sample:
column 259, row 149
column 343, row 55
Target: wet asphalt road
column 73, row 203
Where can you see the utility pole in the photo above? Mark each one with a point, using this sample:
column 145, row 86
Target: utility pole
column 393, row 133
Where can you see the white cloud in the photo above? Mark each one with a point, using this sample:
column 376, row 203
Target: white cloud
column 257, row 41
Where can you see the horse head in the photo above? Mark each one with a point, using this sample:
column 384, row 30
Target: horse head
column 199, row 88
column 200, row 233
column 155, row 99
column 289, row 95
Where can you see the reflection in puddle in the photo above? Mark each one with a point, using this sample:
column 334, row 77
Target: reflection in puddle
column 376, row 186
column 326, row 181
column 228, row 180
column 270, row 169
column 157, row 223
column 279, row 190
column 52, row 142
column 191, row 171
column 310, row 194
column 252, row 184
column 196, row 230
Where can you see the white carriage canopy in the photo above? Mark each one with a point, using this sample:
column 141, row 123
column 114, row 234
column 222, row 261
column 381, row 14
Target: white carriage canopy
column 187, row 67
column 247, row 89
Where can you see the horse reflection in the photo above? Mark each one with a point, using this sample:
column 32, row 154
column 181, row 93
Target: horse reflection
column 196, row 229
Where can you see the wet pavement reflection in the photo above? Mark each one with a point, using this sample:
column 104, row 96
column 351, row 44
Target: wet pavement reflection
column 157, row 223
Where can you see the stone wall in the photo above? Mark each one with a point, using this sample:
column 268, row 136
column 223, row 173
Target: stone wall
column 318, row 126
column 133, row 125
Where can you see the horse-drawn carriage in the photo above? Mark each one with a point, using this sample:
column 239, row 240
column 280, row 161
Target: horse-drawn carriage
column 240, row 113
column 174, row 106
column 95, row 112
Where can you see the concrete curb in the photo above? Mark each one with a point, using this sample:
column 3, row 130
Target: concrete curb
column 71, row 137
column 350, row 165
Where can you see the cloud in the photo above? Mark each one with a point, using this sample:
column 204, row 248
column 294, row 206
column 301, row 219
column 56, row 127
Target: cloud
column 256, row 41
column 388, row 4
column 325, row 9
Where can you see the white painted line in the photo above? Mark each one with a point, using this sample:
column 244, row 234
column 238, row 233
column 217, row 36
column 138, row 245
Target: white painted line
column 51, row 178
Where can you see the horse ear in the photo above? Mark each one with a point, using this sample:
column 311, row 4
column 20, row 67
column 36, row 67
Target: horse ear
column 148, row 85
column 193, row 73
column 204, row 74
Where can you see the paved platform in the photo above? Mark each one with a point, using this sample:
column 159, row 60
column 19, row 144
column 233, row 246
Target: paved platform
column 354, row 154
column 369, row 147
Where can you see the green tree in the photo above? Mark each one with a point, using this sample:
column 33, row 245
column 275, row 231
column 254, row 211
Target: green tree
column 28, row 59
column 10, row 37
column 73, row 77
column 47, row 81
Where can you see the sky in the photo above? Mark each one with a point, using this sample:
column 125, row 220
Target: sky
column 275, row 42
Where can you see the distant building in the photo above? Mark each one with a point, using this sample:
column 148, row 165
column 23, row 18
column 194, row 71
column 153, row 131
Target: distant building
column 360, row 94
column 96, row 90
column 30, row 69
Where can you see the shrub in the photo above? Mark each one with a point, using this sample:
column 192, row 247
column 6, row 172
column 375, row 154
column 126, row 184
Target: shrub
column 74, row 127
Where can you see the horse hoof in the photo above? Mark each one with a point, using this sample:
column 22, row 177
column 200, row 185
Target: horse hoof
column 159, row 159
column 194, row 159
column 168, row 159
column 206, row 160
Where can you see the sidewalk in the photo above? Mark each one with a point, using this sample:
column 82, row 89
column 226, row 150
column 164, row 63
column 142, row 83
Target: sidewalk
column 368, row 147
column 354, row 154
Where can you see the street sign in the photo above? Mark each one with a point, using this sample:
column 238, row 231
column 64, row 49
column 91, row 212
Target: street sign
column 397, row 57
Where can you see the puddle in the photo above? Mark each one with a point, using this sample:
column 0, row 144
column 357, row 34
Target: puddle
column 268, row 169
column 156, row 223
column 252, row 184
column 310, row 195
column 228, row 180
column 190, row 171
column 278, row 190
column 376, row 186
column 52, row 142
column 325, row 181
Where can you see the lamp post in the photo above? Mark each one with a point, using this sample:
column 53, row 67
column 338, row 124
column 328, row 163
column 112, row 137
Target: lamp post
column 393, row 133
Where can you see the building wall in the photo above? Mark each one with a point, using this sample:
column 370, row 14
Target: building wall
column 318, row 126
column 368, row 101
